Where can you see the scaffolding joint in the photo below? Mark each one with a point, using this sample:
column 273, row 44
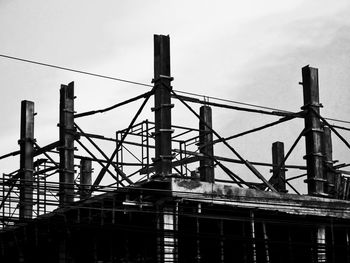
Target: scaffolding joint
column 162, row 106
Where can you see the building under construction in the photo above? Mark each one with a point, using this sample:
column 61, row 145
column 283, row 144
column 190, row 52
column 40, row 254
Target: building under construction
column 164, row 201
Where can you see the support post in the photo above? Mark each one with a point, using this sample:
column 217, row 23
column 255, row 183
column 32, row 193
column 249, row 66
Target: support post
column 206, row 166
column 252, row 237
column 321, row 244
column 66, row 149
column 222, row 241
column 313, row 132
column 167, row 226
column 328, row 161
column 278, row 179
column 162, row 105
column 266, row 243
column 198, row 258
column 26, row 143
column 85, row 178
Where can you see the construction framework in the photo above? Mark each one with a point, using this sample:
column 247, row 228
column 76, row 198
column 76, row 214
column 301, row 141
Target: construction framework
column 158, row 196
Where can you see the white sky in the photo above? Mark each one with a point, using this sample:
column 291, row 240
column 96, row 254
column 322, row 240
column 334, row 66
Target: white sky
column 250, row 51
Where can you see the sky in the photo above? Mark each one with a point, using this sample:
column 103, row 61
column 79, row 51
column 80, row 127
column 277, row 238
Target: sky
column 248, row 51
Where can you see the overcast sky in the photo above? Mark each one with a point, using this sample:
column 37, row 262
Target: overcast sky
column 249, row 51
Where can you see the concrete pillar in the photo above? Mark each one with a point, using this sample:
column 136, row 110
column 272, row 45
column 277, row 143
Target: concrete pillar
column 321, row 245
column 278, row 177
column 266, row 243
column 162, row 105
column 167, row 227
column 206, row 166
column 26, row 143
column 328, row 161
column 66, row 149
column 170, row 240
column 85, row 178
column 253, row 237
column 313, row 132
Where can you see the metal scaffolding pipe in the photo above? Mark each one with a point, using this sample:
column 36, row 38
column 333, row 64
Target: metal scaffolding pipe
column 206, row 165
column 162, row 105
column 26, row 171
column 313, row 132
column 66, row 148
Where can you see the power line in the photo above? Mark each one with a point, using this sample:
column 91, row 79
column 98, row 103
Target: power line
column 148, row 85
column 75, row 70
column 250, row 105
column 232, row 101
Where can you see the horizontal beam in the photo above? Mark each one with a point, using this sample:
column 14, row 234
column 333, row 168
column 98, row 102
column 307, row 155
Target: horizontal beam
column 49, row 147
column 220, row 105
column 225, row 159
column 174, row 164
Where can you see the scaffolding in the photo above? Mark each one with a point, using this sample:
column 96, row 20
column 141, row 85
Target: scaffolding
column 163, row 201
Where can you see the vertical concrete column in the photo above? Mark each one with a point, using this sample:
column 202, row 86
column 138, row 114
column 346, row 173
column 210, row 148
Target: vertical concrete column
column 170, row 226
column 278, row 177
column 313, row 132
column 66, row 149
column 347, row 237
column 198, row 258
column 328, row 161
column 162, row 105
column 206, row 166
column 222, row 242
column 253, row 237
column 167, row 227
column 160, row 239
column 266, row 243
column 321, row 245
column 26, row 143
column 85, row 178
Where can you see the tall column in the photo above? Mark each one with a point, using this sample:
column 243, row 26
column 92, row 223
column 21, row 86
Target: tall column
column 253, row 237
column 66, row 149
column 167, row 227
column 170, row 226
column 278, row 177
column 26, row 143
column 321, row 245
column 313, row 132
column 206, row 166
column 328, row 161
column 162, row 105
column 85, row 178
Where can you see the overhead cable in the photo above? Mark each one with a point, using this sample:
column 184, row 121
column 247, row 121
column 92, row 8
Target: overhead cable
column 75, row 70
column 147, row 85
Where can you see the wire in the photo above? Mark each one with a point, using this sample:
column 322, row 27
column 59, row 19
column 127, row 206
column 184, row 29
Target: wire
column 148, row 85
column 75, row 70
column 252, row 105
column 231, row 101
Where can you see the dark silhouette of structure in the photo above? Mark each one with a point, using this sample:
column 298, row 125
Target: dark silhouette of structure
column 160, row 208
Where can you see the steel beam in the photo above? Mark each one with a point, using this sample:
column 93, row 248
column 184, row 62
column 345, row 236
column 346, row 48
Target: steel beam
column 313, row 132
column 26, row 143
column 206, row 165
column 162, row 105
column 66, row 149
